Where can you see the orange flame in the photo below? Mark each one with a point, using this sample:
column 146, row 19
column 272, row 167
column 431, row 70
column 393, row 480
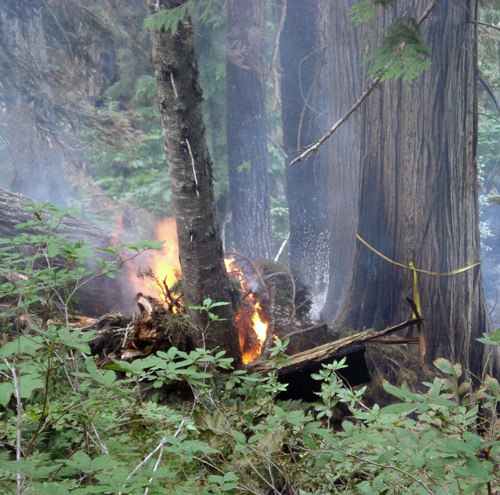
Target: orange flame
column 165, row 266
column 251, row 327
column 259, row 326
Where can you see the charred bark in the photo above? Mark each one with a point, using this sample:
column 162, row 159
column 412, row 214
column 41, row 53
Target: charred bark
column 419, row 193
column 200, row 247
column 246, row 128
column 304, row 95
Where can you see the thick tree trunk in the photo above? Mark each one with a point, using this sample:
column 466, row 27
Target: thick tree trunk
column 419, row 192
column 343, row 54
column 304, row 94
column 200, row 247
column 246, row 128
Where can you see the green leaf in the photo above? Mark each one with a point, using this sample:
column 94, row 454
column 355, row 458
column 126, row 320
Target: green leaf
column 244, row 166
column 6, row 391
column 492, row 384
column 386, row 456
column 440, row 401
column 169, row 19
column 214, row 305
column 323, row 460
column 473, row 440
column 309, row 442
column 495, row 336
column 477, row 469
column 400, row 54
column 238, row 436
column 402, row 393
column 80, row 461
column 403, row 407
column 418, row 460
column 27, row 384
column 362, row 12
column 23, row 344
column 444, row 365
column 348, row 427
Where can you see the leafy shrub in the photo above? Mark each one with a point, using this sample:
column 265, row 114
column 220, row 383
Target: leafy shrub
column 70, row 427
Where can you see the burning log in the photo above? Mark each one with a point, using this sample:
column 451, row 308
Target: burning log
column 111, row 332
column 126, row 338
column 155, row 329
column 101, row 295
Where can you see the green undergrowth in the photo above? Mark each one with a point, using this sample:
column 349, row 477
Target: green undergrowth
column 69, row 426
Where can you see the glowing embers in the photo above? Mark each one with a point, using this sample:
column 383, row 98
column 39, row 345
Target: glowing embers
column 250, row 318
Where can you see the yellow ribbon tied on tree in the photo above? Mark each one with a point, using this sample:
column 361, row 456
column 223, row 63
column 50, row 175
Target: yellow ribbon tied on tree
column 411, row 266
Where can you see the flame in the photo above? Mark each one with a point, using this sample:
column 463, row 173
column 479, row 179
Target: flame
column 251, row 327
column 259, row 326
column 165, row 266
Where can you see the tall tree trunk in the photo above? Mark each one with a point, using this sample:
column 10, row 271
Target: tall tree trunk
column 419, row 192
column 200, row 247
column 246, row 128
column 304, row 95
column 343, row 55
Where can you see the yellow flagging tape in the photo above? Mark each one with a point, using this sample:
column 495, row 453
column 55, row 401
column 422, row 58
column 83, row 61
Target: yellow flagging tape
column 411, row 266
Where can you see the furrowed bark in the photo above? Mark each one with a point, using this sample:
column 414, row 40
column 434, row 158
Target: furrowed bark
column 419, row 193
column 304, row 95
column 246, row 128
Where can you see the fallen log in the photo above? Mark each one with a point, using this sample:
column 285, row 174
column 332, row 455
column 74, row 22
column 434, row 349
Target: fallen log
column 99, row 296
column 297, row 373
column 156, row 329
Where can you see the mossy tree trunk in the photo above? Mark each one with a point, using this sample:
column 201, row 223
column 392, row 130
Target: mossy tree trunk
column 190, row 168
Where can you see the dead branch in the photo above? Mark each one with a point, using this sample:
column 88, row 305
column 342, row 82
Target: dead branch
column 376, row 81
column 330, row 350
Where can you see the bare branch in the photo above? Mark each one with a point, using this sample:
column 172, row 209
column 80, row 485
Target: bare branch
column 315, row 146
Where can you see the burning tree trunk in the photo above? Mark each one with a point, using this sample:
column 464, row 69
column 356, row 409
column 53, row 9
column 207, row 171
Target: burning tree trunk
column 246, row 128
column 304, row 99
column 200, row 246
column 419, row 193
